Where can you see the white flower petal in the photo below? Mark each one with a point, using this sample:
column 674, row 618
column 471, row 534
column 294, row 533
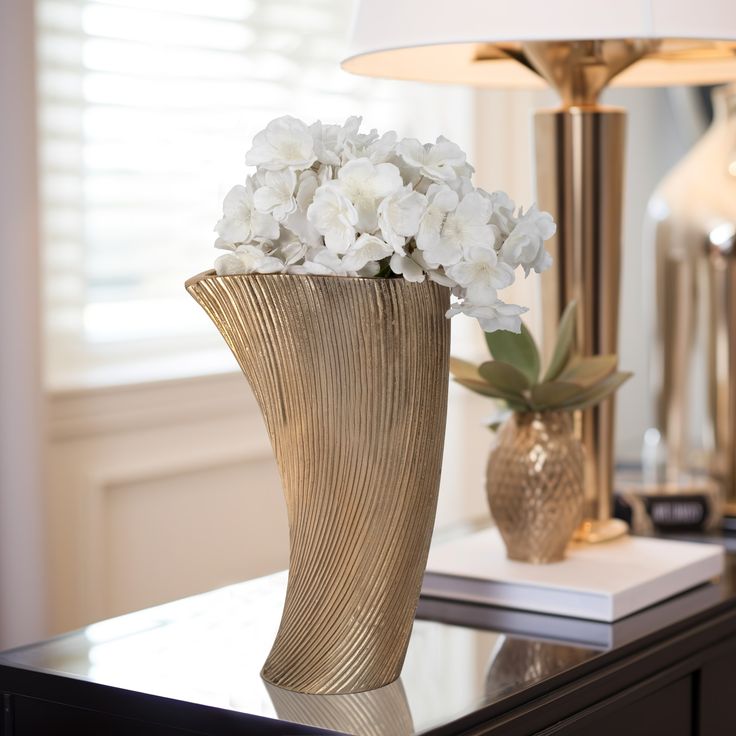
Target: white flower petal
column 228, row 264
column 335, row 217
column 407, row 267
column 367, row 248
column 286, row 143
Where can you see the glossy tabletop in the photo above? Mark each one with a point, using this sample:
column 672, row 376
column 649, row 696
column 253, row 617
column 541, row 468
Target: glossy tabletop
column 464, row 661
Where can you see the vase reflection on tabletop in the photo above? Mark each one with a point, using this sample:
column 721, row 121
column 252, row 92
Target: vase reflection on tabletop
column 381, row 712
column 516, row 660
column 692, row 226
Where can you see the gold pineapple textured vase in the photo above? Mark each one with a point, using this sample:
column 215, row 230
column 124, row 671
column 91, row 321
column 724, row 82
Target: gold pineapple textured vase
column 351, row 377
column 535, row 485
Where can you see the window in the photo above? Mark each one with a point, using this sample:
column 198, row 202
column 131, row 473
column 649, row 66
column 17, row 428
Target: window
column 146, row 110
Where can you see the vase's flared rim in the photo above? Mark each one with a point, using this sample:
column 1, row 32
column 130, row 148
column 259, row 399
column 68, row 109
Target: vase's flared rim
column 212, row 274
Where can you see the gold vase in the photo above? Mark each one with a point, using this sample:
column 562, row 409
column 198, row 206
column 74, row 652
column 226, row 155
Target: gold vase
column 534, row 484
column 351, row 377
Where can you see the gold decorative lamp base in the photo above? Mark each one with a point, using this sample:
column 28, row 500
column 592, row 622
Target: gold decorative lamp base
column 580, row 151
column 351, row 376
column 594, row 531
column 580, row 180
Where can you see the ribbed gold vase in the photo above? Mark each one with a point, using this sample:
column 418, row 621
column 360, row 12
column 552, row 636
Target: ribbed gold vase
column 351, row 376
column 535, row 486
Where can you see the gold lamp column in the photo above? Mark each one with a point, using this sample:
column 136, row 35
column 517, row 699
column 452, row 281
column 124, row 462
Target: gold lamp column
column 580, row 172
column 578, row 47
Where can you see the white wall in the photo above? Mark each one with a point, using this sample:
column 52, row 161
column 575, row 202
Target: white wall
column 158, row 491
column 22, row 574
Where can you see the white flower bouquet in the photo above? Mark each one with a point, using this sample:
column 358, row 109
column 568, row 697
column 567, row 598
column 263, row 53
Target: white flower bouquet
column 330, row 200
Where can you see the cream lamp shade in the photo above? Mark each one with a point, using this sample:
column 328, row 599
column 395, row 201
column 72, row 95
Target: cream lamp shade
column 480, row 42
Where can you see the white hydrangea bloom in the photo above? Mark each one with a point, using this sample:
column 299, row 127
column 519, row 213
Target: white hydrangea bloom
column 399, row 216
column 330, row 200
column 297, row 222
column 481, row 274
column 497, row 316
column 441, row 200
column 324, row 263
column 365, row 184
column 502, row 211
column 407, row 267
column 375, row 149
column 241, row 222
column 367, row 249
column 335, row 217
column 525, row 244
column 247, row 259
column 437, row 162
column 460, row 230
column 329, row 140
column 462, row 185
column 286, row 143
column 289, row 249
column 276, row 196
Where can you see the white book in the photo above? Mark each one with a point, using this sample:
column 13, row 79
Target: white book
column 601, row 582
column 575, row 631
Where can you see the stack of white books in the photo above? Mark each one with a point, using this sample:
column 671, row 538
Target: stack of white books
column 599, row 582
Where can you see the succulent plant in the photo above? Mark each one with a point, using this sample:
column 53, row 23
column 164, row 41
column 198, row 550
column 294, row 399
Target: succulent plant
column 569, row 383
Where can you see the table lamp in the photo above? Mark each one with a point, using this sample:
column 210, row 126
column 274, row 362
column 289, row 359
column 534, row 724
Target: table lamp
column 577, row 47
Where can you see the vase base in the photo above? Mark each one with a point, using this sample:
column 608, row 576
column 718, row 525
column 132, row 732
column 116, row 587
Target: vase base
column 593, row 531
column 315, row 689
column 536, row 560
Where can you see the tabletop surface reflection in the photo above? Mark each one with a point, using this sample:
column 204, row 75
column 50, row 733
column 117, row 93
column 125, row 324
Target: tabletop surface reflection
column 208, row 649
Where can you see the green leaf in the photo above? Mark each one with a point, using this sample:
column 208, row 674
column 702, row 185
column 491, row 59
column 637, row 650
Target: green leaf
column 598, row 392
column 554, row 394
column 565, row 342
column 504, row 377
column 464, row 369
column 587, row 371
column 519, row 351
column 481, row 387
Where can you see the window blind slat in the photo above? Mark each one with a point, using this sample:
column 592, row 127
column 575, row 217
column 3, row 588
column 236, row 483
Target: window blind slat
column 146, row 110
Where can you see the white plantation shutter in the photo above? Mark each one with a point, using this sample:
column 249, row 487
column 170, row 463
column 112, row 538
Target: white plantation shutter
column 146, row 110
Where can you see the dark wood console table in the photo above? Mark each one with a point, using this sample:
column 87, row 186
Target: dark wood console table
column 191, row 667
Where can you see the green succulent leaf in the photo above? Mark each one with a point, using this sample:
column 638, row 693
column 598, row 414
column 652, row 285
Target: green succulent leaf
column 505, row 377
column 554, row 394
column 518, row 350
column 587, row 371
column 464, row 369
column 598, row 392
column 565, row 343
column 485, row 389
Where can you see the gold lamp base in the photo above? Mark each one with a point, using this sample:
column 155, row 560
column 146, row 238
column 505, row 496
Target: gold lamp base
column 594, row 532
column 580, row 151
